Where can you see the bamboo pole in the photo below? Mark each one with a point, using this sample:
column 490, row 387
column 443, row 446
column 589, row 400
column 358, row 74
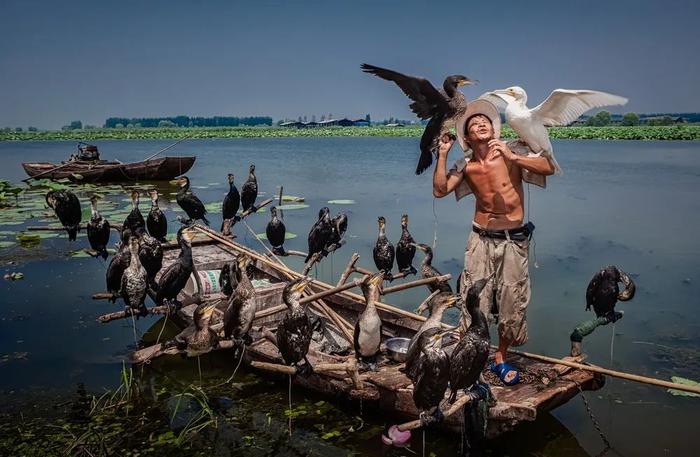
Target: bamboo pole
column 348, row 269
column 133, row 312
column 608, row 372
column 416, row 283
column 365, row 271
column 350, row 367
column 283, row 268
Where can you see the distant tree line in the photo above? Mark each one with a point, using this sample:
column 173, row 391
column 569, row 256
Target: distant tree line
column 186, row 121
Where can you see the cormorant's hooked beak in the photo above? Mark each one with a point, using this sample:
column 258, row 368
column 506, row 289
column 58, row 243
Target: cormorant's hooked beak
column 188, row 235
column 242, row 261
column 467, row 82
column 417, row 245
column 208, row 310
column 302, row 284
column 421, row 309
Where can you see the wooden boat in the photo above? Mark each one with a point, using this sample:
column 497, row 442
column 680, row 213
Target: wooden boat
column 157, row 169
column 544, row 386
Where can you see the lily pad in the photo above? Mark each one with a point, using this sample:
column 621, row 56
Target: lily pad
column 341, row 202
column 293, row 206
column 214, row 207
column 6, row 244
column 292, row 198
column 287, row 236
column 685, row 382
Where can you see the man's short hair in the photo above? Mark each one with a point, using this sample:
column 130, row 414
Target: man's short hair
column 466, row 124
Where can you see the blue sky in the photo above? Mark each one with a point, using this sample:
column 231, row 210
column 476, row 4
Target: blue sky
column 89, row 60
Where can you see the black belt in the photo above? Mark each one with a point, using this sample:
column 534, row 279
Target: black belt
column 518, row 234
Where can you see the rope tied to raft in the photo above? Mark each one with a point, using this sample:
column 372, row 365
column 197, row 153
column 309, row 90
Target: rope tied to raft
column 595, row 422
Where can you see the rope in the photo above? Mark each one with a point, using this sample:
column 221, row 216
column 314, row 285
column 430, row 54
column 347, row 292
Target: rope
column 435, row 224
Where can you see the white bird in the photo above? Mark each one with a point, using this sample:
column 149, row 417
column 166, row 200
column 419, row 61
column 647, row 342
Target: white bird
column 562, row 107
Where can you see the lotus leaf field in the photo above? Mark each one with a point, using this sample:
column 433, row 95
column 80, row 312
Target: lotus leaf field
column 674, row 132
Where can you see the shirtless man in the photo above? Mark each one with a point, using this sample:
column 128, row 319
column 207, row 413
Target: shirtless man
column 498, row 243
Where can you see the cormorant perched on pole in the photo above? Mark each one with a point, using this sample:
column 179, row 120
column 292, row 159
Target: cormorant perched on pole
column 174, row 278
column 239, row 315
column 232, row 201
column 67, row 207
column 156, row 223
column 383, row 251
column 432, row 377
column 295, row 330
column 120, row 261
column 98, row 230
column 429, row 271
column 441, row 107
column 275, row 232
column 603, row 291
column 339, row 227
column 199, row 338
column 150, row 255
column 134, row 220
column 367, row 338
column 405, row 248
column 437, row 306
column 193, row 206
column 471, row 353
column 320, row 234
column 249, row 191
column 134, row 283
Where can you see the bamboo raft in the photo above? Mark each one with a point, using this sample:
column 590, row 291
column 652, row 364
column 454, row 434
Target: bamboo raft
column 544, row 386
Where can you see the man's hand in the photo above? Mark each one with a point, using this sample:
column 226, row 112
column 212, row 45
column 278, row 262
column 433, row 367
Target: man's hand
column 446, row 142
column 502, row 148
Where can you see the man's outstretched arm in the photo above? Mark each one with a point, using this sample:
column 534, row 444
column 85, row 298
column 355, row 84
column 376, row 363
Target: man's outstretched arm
column 444, row 183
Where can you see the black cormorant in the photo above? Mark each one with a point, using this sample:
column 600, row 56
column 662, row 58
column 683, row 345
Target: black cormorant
column 134, row 221
column 151, row 256
column 232, row 201
column 383, row 252
column 429, row 271
column 339, row 227
column 603, row 291
column 405, row 249
column 320, row 234
column 156, row 222
column 239, row 315
column 228, row 278
column 441, row 107
column 193, row 206
column 67, row 207
column 471, row 353
column 175, row 276
column 294, row 332
column 249, row 191
column 437, row 306
column 134, row 284
column 275, row 232
column 98, row 230
column 368, row 328
column 117, row 265
column 432, row 376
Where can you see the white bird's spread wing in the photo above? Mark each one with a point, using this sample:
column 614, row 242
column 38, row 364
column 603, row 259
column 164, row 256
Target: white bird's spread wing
column 564, row 106
column 500, row 100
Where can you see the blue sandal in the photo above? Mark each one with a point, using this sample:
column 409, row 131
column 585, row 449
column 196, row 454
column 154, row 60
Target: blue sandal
column 502, row 369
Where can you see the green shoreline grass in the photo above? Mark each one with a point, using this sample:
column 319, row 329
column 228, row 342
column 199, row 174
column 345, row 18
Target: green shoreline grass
column 674, row 132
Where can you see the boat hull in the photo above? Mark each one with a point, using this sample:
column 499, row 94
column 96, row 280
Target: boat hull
column 158, row 169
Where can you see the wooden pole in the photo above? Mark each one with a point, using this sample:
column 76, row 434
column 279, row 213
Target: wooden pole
column 282, row 268
column 348, row 269
column 132, row 312
column 416, row 283
column 608, row 372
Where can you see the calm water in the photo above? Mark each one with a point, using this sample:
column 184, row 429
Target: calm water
column 632, row 204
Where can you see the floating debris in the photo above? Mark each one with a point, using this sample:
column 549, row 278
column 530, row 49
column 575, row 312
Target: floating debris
column 14, row 276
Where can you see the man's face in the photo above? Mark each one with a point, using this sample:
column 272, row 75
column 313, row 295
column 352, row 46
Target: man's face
column 479, row 129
